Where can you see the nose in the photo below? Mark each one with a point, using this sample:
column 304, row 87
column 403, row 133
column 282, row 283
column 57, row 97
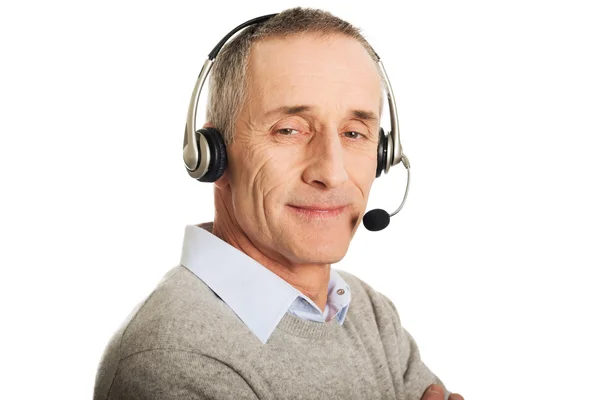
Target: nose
column 326, row 168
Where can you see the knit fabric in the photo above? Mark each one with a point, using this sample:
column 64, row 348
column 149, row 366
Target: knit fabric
column 184, row 342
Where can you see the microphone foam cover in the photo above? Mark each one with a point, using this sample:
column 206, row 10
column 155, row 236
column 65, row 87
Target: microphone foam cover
column 376, row 220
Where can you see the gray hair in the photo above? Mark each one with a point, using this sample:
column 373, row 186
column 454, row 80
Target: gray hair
column 228, row 84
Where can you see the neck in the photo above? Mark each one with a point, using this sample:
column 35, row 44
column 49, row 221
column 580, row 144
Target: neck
column 310, row 279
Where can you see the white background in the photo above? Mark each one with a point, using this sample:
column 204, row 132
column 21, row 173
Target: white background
column 492, row 263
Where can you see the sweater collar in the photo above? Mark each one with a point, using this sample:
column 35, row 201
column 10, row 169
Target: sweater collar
column 259, row 297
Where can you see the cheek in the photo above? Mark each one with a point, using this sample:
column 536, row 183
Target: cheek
column 362, row 170
column 261, row 172
column 277, row 172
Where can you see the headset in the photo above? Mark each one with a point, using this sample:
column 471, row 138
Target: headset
column 205, row 154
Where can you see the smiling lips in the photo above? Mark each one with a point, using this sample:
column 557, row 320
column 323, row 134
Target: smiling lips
column 319, row 212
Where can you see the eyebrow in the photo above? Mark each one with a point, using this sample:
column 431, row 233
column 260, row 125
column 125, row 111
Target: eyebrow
column 364, row 115
column 288, row 110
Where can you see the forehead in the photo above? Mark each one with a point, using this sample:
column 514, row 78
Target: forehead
column 334, row 70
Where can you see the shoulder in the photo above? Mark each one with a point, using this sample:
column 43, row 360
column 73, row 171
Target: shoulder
column 172, row 328
column 182, row 315
column 373, row 311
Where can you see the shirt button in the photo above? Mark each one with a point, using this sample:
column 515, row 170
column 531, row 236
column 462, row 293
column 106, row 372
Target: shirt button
column 340, row 291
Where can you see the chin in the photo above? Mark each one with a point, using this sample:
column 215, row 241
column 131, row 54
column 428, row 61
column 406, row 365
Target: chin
column 316, row 257
column 319, row 250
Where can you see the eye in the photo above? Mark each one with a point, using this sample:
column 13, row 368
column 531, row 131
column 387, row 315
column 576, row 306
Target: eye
column 353, row 134
column 287, row 131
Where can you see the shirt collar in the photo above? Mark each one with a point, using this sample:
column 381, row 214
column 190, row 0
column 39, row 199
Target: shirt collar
column 259, row 297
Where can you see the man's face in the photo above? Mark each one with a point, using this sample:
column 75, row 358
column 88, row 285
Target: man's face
column 304, row 153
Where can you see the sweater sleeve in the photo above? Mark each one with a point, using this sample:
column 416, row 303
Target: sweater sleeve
column 417, row 376
column 176, row 374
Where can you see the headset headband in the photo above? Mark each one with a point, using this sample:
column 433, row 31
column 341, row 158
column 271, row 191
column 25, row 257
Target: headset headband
column 393, row 151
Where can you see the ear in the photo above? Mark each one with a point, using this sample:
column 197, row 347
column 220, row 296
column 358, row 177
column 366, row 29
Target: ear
column 223, row 181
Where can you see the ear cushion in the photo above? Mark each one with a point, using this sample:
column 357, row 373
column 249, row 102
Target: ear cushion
column 218, row 154
column 381, row 152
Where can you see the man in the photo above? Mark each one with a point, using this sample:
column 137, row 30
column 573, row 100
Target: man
column 255, row 310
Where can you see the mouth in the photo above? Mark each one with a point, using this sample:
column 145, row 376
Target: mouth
column 318, row 212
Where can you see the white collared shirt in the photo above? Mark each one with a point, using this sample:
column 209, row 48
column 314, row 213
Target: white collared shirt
column 259, row 297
